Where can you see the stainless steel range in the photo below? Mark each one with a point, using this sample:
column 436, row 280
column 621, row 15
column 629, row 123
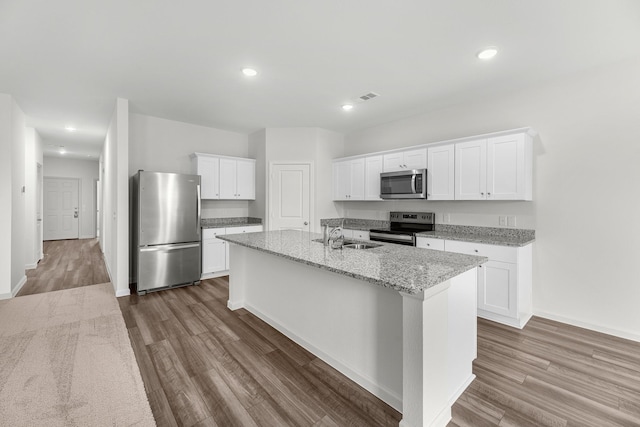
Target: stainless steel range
column 404, row 226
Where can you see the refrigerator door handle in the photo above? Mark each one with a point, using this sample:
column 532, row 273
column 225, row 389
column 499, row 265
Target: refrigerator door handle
column 199, row 209
column 168, row 247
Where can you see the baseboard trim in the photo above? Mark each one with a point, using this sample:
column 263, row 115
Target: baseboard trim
column 593, row 327
column 123, row 292
column 31, row 266
column 21, row 283
column 87, row 236
column 385, row 395
column 514, row 323
column 234, row 305
column 461, row 390
column 214, row 275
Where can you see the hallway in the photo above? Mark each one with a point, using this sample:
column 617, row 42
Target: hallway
column 66, row 264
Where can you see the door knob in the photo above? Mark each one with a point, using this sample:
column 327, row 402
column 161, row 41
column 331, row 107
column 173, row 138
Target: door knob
column 306, row 223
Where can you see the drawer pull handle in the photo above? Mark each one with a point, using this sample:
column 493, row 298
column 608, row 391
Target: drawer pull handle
column 476, row 250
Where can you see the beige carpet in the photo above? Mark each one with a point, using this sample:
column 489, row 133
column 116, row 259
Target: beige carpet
column 66, row 360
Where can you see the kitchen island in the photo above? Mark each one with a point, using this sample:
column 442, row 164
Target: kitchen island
column 399, row 321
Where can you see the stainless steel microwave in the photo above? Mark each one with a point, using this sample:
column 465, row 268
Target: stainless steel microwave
column 408, row 184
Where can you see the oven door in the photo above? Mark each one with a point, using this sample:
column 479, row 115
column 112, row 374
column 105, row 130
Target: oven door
column 398, row 238
column 410, row 184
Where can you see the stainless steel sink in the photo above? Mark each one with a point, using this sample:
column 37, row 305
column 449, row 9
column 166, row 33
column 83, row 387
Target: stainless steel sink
column 361, row 245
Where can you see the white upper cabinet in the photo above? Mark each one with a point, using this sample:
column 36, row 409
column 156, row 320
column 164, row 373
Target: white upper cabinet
column 405, row 160
column 372, row 169
column 209, row 170
column 246, row 179
column 440, row 172
column 496, row 168
column 471, row 170
column 348, row 180
column 509, row 164
column 225, row 178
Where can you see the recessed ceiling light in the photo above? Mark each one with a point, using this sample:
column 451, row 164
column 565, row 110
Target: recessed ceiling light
column 347, row 107
column 249, row 72
column 487, row 52
column 70, row 128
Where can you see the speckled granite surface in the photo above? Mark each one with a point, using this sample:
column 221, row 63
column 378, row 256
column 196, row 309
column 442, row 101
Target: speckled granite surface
column 229, row 222
column 356, row 224
column 487, row 235
column 403, row 268
column 463, row 233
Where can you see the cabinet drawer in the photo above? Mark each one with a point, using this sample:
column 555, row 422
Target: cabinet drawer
column 430, row 243
column 246, row 229
column 493, row 252
column 212, row 233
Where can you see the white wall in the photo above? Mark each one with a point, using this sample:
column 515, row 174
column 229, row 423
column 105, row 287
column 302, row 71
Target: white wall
column 12, row 181
column 33, row 200
column 5, row 194
column 163, row 145
column 115, row 185
column 18, row 243
column 87, row 172
column 314, row 145
column 586, row 177
column 258, row 150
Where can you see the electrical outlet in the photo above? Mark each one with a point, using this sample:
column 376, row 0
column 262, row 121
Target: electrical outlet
column 502, row 221
column 511, row 221
column 447, row 218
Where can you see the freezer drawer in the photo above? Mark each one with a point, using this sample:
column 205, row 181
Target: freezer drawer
column 167, row 265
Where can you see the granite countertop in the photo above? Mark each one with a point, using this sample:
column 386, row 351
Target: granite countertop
column 488, row 239
column 403, row 268
column 229, row 222
column 464, row 233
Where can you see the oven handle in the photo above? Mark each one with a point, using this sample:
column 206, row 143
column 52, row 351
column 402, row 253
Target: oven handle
column 397, row 238
column 413, row 183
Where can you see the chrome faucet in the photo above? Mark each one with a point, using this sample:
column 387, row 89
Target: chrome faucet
column 330, row 234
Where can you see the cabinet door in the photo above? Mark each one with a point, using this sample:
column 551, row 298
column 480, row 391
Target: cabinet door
column 393, row 162
column 228, row 179
column 506, row 167
column 429, row 243
column 497, row 288
column 214, row 256
column 209, row 170
column 341, row 180
column 372, row 170
column 440, row 172
column 245, row 179
column 471, row 170
column 415, row 159
column 357, row 179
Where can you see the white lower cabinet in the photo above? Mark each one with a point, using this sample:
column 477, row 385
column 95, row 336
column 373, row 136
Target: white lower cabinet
column 215, row 252
column 504, row 282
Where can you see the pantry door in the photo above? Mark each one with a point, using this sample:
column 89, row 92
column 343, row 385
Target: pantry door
column 60, row 208
column 290, row 196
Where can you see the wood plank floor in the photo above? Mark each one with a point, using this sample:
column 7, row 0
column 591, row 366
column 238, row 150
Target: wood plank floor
column 66, row 264
column 551, row 374
column 204, row 365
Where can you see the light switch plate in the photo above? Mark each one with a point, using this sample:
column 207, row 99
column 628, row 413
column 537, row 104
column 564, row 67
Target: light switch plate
column 511, row 221
column 502, row 221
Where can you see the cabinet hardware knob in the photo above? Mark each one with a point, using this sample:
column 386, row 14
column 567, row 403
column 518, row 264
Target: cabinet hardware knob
column 476, row 250
column 482, row 194
column 488, row 194
column 428, row 244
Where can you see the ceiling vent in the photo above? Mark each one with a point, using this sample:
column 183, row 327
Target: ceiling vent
column 368, row 96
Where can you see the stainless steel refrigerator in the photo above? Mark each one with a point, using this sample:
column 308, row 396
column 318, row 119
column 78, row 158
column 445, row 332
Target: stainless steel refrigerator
column 166, row 237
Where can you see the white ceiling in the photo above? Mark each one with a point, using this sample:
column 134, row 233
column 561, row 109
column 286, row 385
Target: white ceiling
column 66, row 61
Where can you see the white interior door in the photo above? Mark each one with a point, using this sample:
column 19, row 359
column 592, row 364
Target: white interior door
column 60, row 208
column 290, row 197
